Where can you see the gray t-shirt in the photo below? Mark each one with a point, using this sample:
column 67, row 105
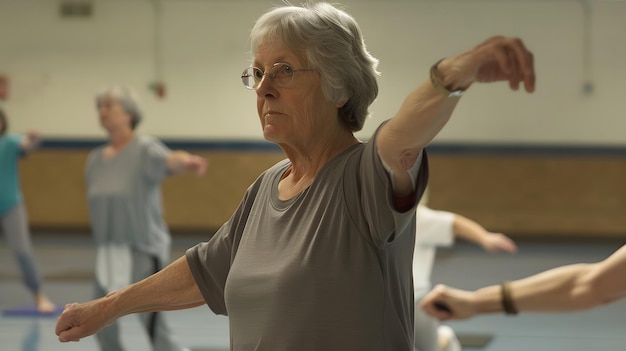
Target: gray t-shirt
column 329, row 269
column 124, row 196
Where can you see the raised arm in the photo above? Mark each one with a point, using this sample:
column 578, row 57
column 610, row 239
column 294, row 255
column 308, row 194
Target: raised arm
column 427, row 109
column 182, row 161
column 566, row 288
column 173, row 288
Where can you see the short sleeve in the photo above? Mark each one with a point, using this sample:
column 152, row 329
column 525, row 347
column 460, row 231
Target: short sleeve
column 376, row 203
column 155, row 156
column 210, row 262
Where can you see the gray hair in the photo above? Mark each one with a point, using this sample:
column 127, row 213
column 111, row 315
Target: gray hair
column 332, row 43
column 127, row 98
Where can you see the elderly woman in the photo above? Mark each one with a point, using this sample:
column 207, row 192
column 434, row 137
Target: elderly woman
column 318, row 254
column 123, row 189
column 13, row 215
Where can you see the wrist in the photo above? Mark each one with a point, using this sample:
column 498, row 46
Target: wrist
column 487, row 300
column 108, row 306
column 445, row 73
column 508, row 304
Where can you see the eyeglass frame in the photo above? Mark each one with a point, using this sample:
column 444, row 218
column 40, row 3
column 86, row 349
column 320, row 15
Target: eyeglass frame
column 272, row 76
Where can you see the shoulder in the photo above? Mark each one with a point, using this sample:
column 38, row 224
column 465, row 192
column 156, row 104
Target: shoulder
column 347, row 161
column 147, row 140
column 269, row 174
column 97, row 150
column 11, row 139
column 278, row 167
column 93, row 154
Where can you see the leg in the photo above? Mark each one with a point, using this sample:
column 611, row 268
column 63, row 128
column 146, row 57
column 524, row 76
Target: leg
column 109, row 337
column 159, row 333
column 447, row 339
column 15, row 227
column 426, row 338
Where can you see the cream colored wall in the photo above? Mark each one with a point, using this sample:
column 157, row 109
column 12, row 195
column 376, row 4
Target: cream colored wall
column 56, row 65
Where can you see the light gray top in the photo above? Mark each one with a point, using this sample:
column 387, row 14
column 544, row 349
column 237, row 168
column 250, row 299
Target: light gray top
column 124, row 196
column 329, row 269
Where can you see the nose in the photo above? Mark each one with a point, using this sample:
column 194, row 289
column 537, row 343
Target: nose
column 266, row 88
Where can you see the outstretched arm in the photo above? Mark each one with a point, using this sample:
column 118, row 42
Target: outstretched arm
column 182, row 161
column 566, row 288
column 470, row 230
column 173, row 288
column 426, row 110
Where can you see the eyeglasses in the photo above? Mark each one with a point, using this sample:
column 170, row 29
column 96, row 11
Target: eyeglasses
column 280, row 73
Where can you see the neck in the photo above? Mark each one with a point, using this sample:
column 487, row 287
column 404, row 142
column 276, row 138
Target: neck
column 308, row 159
column 120, row 137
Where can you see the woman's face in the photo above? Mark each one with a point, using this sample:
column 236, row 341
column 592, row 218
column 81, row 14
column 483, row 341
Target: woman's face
column 296, row 113
column 112, row 115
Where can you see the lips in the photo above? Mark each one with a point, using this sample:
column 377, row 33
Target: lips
column 270, row 112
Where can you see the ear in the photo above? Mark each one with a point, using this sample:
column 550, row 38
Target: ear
column 340, row 104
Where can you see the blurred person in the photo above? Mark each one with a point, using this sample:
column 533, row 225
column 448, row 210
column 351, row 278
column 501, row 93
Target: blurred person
column 437, row 228
column 124, row 194
column 13, row 215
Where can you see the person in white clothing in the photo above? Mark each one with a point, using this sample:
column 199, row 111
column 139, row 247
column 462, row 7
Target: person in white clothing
column 439, row 229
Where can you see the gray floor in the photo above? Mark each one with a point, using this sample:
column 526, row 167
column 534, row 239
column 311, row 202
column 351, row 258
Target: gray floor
column 67, row 264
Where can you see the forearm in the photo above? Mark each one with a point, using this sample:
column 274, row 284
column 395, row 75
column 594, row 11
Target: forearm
column 560, row 289
column 400, row 141
column 173, row 288
column 422, row 115
column 176, row 161
column 469, row 230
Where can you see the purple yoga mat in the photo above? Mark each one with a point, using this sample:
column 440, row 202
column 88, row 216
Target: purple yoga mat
column 29, row 311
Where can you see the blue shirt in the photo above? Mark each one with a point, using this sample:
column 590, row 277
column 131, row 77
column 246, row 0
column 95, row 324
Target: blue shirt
column 10, row 152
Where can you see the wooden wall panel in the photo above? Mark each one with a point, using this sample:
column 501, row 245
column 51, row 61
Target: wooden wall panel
column 533, row 196
column 54, row 189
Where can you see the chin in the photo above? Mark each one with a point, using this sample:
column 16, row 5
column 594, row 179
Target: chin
column 271, row 133
column 271, row 138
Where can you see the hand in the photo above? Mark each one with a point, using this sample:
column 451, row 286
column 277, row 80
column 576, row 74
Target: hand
column 458, row 303
column 496, row 59
column 196, row 164
column 33, row 135
column 494, row 242
column 30, row 141
column 81, row 320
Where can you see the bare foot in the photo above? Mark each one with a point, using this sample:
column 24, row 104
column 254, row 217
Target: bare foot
column 44, row 305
